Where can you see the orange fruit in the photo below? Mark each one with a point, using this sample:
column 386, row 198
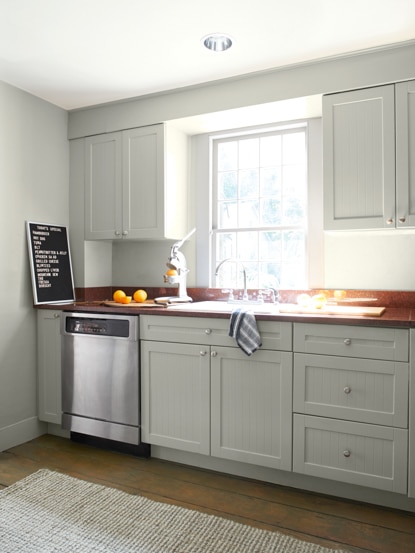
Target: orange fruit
column 126, row 299
column 140, row 296
column 171, row 272
column 117, row 295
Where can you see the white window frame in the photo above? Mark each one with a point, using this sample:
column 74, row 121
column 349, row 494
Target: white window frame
column 201, row 173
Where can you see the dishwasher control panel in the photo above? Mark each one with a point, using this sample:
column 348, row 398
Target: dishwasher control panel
column 98, row 327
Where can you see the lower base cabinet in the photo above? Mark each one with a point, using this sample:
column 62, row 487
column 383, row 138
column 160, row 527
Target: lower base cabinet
column 215, row 400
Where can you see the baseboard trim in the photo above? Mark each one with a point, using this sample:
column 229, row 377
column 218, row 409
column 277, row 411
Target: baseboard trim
column 20, row 432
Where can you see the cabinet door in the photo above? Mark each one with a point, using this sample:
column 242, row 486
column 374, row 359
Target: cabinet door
column 143, row 182
column 405, row 154
column 175, row 401
column 49, row 366
column 103, row 194
column 359, row 159
column 251, row 407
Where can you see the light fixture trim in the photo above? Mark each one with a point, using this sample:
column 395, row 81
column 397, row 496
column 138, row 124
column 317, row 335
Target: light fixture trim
column 217, row 42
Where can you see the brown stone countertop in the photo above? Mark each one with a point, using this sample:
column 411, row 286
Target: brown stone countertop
column 400, row 308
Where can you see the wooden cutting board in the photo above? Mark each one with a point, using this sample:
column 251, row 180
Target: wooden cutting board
column 146, row 304
column 333, row 310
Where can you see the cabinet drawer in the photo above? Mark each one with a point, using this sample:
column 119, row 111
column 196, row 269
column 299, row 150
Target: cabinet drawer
column 352, row 341
column 361, row 390
column 206, row 331
column 361, row 454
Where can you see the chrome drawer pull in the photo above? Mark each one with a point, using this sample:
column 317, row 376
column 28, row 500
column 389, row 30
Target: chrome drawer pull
column 208, row 331
column 214, row 354
column 347, row 453
column 347, row 342
column 203, row 353
column 347, row 389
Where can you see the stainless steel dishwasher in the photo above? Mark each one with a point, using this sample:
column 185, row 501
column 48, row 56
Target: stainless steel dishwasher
column 101, row 376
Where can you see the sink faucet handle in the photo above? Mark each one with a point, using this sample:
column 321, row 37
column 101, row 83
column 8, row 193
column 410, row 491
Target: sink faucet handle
column 228, row 291
column 272, row 293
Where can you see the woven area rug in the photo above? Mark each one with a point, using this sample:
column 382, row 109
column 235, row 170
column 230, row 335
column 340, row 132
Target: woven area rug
column 51, row 512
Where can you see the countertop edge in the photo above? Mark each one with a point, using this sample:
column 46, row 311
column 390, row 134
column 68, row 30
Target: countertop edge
column 396, row 317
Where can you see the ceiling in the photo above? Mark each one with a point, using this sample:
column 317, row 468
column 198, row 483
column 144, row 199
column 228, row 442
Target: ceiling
column 78, row 53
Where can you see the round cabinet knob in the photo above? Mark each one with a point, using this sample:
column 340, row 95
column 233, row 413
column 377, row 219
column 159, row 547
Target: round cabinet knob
column 203, row 353
column 124, row 232
column 213, row 353
column 347, row 389
column 402, row 219
column 347, row 453
column 208, row 331
column 56, row 315
column 117, row 232
column 347, row 342
column 389, row 221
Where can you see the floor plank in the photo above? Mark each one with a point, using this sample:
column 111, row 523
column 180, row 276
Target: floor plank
column 331, row 522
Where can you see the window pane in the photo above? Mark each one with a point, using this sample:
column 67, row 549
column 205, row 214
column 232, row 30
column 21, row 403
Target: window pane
column 227, row 185
column 270, row 150
column 228, row 214
column 227, row 156
column 293, row 147
column 225, row 245
column 271, row 212
column 270, row 245
column 249, row 183
column 270, row 181
column 249, row 153
column 247, row 246
column 249, row 213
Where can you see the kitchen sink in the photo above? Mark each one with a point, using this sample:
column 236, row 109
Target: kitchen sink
column 225, row 307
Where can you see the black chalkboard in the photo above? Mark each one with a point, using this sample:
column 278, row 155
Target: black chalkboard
column 50, row 263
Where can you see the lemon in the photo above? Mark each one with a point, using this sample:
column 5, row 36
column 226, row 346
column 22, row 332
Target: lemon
column 117, row 295
column 339, row 294
column 319, row 301
column 140, row 296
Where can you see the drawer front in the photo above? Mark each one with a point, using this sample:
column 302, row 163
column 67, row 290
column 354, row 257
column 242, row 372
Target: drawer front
column 361, row 454
column 199, row 330
column 352, row 341
column 362, row 390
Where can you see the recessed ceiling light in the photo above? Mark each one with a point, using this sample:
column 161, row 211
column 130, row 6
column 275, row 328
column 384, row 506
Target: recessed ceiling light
column 217, row 42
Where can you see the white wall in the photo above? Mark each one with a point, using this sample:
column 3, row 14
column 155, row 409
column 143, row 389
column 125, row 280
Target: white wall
column 34, row 166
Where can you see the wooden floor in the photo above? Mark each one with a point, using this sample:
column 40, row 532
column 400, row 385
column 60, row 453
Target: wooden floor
column 329, row 522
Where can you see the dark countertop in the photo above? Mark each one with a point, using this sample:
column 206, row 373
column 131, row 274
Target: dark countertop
column 402, row 317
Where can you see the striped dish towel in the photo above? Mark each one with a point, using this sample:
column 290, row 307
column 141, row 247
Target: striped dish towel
column 245, row 331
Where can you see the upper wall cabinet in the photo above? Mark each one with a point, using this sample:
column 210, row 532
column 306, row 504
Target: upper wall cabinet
column 367, row 185
column 136, row 184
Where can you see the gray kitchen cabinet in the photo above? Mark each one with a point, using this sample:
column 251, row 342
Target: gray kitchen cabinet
column 201, row 393
column 49, row 366
column 351, row 404
column 136, row 184
column 361, row 129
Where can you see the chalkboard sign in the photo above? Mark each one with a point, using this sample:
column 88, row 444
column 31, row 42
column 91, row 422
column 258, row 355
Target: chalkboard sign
column 50, row 263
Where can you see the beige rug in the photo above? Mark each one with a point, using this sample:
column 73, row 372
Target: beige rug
column 51, row 512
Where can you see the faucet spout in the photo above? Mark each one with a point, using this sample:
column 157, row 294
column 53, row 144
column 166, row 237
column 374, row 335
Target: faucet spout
column 230, row 259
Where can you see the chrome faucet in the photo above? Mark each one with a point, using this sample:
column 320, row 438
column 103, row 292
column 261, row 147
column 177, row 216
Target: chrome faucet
column 245, row 293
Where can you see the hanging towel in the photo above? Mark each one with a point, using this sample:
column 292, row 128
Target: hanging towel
column 245, row 331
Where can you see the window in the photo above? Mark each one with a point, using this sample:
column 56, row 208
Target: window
column 259, row 208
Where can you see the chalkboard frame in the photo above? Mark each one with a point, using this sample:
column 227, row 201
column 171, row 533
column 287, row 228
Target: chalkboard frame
column 58, row 287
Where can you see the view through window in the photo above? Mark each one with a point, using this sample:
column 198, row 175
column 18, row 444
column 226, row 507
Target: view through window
column 259, row 218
